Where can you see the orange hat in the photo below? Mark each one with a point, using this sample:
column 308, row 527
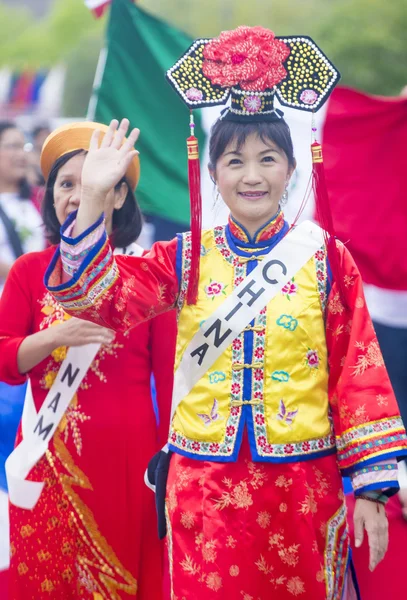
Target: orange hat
column 76, row 136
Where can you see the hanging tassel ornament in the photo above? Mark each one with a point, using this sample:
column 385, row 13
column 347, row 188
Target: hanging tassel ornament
column 324, row 214
column 195, row 199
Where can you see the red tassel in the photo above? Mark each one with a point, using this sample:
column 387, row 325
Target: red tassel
column 324, row 216
column 194, row 179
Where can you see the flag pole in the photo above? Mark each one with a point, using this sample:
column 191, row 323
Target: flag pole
column 100, row 69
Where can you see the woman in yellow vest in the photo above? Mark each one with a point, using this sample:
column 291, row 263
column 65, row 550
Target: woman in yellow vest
column 269, row 415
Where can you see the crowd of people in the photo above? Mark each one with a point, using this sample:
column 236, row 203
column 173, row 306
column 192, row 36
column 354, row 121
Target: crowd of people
column 269, row 382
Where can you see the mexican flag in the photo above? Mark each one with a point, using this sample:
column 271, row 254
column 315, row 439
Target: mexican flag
column 131, row 83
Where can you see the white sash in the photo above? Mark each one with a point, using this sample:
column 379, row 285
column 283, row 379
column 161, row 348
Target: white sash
column 278, row 267
column 39, row 428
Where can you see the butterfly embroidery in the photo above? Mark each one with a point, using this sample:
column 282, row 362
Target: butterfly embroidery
column 286, row 416
column 213, row 416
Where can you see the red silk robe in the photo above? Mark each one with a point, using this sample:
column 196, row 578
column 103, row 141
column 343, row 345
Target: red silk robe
column 93, row 532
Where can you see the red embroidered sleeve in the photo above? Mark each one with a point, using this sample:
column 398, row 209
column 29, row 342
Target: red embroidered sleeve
column 117, row 291
column 366, row 418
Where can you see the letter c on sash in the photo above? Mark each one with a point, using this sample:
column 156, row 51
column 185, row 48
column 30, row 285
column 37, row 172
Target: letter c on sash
column 270, row 264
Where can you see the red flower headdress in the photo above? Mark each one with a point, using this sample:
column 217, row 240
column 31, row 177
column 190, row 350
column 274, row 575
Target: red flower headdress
column 251, row 57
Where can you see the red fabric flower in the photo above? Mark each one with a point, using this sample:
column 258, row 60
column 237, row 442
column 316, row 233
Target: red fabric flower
column 250, row 57
column 235, row 388
column 230, row 430
column 214, row 448
column 236, row 344
column 259, row 353
column 258, row 374
column 196, row 446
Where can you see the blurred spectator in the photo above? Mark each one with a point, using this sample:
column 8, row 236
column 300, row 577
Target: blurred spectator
column 20, row 223
column 38, row 136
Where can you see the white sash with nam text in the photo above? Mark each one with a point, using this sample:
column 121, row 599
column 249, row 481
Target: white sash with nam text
column 39, row 428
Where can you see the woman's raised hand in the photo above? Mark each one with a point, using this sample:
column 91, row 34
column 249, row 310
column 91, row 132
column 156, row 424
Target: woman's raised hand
column 107, row 163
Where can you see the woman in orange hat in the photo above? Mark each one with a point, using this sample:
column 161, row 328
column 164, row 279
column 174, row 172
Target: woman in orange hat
column 91, row 533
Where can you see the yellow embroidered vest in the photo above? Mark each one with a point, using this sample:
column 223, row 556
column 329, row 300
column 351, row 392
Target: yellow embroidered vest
column 272, row 379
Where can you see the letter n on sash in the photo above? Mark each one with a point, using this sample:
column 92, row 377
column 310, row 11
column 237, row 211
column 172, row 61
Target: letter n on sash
column 71, row 376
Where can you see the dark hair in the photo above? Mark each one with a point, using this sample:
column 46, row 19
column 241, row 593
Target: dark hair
column 126, row 221
column 24, row 188
column 223, row 132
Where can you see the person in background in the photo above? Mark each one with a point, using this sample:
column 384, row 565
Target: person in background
column 20, row 223
column 39, row 135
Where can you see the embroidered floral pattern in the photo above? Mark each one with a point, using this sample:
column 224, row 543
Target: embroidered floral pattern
column 370, row 356
column 289, row 289
column 186, row 268
column 336, row 562
column 381, row 437
column 215, row 288
column 320, row 266
column 312, row 359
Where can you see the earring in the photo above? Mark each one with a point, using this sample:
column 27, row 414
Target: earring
column 284, row 197
column 217, row 195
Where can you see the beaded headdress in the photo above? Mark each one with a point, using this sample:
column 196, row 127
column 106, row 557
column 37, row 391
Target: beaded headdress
column 251, row 66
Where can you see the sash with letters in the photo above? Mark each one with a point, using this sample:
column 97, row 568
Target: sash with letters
column 39, row 428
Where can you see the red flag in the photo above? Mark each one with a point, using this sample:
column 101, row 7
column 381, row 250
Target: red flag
column 364, row 142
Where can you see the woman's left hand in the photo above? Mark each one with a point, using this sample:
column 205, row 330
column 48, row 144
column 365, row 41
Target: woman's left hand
column 372, row 517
